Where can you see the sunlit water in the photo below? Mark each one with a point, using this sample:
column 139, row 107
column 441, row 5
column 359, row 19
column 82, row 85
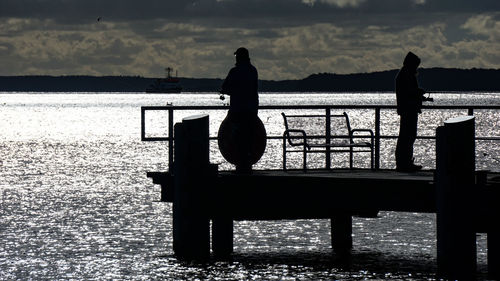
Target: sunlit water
column 76, row 203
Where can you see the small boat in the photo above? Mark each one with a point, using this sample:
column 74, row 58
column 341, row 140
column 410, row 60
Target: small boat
column 168, row 84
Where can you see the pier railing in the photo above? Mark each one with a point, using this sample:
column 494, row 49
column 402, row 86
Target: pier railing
column 327, row 109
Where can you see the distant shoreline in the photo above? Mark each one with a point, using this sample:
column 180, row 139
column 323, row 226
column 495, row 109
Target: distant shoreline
column 432, row 79
column 261, row 92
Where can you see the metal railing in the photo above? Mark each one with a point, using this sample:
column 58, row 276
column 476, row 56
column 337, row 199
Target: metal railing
column 327, row 108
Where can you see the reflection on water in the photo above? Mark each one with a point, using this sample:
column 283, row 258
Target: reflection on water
column 75, row 202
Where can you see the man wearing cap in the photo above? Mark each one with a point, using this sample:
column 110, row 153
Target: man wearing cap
column 241, row 85
column 409, row 99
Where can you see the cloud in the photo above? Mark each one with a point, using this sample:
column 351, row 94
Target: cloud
column 228, row 12
column 197, row 51
column 337, row 3
column 287, row 39
column 485, row 24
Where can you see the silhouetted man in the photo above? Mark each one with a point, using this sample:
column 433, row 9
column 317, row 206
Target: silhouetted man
column 241, row 84
column 409, row 99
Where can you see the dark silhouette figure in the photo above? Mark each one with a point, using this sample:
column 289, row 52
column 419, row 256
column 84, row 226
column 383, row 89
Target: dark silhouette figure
column 241, row 84
column 409, row 99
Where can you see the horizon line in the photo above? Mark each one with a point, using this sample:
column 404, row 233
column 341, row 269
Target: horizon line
column 318, row 73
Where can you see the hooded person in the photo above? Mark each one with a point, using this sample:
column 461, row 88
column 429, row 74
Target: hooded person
column 409, row 99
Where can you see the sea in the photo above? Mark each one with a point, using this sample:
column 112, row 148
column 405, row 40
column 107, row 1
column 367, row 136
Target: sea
column 75, row 202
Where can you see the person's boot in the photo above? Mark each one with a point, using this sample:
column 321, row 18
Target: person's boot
column 414, row 168
column 409, row 168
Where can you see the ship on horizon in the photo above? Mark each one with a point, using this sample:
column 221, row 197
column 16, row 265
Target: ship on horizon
column 168, row 84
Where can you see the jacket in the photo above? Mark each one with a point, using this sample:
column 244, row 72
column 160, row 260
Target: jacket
column 409, row 96
column 241, row 84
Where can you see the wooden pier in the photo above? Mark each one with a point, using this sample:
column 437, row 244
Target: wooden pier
column 275, row 194
column 465, row 201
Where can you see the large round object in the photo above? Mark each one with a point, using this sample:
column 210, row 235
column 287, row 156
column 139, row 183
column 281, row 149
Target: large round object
column 239, row 139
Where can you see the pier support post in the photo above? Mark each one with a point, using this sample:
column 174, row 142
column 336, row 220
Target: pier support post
column 341, row 231
column 455, row 168
column 222, row 237
column 493, row 237
column 191, row 225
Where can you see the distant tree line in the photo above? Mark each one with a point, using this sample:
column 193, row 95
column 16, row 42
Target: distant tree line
column 435, row 79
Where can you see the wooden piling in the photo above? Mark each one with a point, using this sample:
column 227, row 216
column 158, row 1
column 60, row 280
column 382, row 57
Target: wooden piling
column 454, row 179
column 487, row 218
column 222, row 237
column 341, row 232
column 191, row 227
column 494, row 253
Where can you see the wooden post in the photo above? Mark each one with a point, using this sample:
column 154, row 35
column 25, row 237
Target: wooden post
column 341, row 231
column 191, row 225
column 170, row 139
column 487, row 204
column 494, row 253
column 455, row 176
column 222, row 236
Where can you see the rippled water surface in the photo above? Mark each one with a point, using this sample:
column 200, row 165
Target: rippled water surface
column 76, row 203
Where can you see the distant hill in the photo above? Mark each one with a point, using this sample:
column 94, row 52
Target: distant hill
column 74, row 83
column 435, row 79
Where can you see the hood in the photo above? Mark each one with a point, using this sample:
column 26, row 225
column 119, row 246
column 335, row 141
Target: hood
column 411, row 61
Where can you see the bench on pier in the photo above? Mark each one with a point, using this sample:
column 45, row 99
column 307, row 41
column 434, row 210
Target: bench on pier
column 301, row 135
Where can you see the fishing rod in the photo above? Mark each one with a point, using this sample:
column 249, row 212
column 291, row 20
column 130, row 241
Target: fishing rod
column 428, row 97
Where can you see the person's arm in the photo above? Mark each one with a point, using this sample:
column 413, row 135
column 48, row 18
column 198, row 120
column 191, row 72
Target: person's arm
column 227, row 85
column 416, row 92
column 256, row 81
column 409, row 95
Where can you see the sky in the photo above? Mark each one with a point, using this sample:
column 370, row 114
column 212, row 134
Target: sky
column 287, row 39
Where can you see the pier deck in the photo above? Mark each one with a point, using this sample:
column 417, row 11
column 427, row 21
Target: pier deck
column 276, row 194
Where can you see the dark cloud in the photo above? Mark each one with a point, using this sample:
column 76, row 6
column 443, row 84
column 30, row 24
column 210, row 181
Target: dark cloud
column 287, row 38
column 233, row 12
